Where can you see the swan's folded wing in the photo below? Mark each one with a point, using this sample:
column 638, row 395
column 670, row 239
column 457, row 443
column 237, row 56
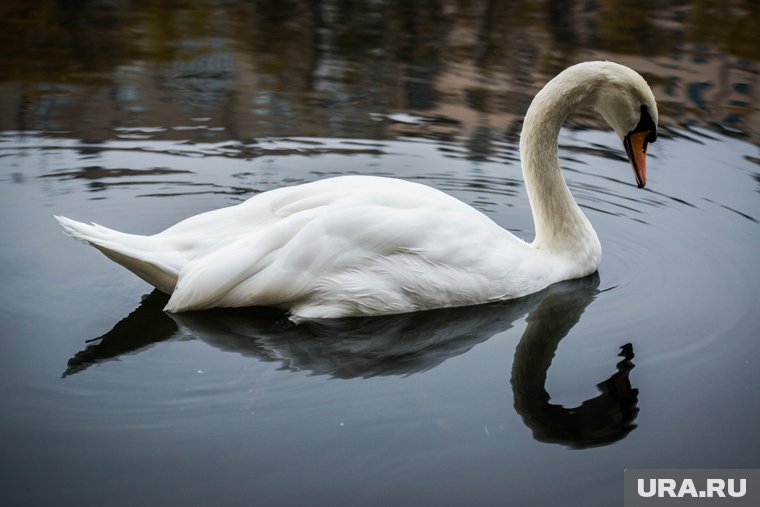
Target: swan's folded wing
column 269, row 266
column 205, row 281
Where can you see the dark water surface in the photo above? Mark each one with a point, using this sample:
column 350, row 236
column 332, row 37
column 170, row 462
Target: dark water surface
column 138, row 114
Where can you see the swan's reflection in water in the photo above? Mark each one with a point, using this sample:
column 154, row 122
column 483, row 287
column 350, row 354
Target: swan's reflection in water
column 597, row 421
column 402, row 345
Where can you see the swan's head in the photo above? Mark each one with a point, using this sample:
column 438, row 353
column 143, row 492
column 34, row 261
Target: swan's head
column 625, row 100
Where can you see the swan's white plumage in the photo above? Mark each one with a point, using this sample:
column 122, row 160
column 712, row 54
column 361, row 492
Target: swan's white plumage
column 364, row 245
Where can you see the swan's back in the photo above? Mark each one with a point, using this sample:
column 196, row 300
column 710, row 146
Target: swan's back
column 353, row 245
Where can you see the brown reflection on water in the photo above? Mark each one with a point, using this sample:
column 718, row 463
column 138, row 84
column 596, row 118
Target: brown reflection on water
column 239, row 70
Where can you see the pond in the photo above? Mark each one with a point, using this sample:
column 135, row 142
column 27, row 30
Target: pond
column 136, row 115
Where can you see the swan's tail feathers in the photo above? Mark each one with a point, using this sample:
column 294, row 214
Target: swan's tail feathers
column 139, row 254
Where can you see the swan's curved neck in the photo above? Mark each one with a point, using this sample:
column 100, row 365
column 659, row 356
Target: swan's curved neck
column 561, row 226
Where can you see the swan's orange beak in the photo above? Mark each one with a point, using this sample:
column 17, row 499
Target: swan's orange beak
column 636, row 147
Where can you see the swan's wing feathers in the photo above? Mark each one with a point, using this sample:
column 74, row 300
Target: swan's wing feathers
column 206, row 280
column 324, row 248
column 295, row 257
column 295, row 202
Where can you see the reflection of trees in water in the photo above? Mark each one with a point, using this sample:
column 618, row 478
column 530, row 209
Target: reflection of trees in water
column 319, row 67
column 56, row 39
column 402, row 345
column 70, row 41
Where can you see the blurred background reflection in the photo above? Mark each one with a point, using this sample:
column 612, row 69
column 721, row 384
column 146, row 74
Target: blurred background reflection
column 237, row 69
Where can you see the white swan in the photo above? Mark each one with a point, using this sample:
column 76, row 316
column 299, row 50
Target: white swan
column 362, row 245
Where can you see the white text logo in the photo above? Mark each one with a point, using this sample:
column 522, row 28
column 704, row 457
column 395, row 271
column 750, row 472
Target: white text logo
column 714, row 488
